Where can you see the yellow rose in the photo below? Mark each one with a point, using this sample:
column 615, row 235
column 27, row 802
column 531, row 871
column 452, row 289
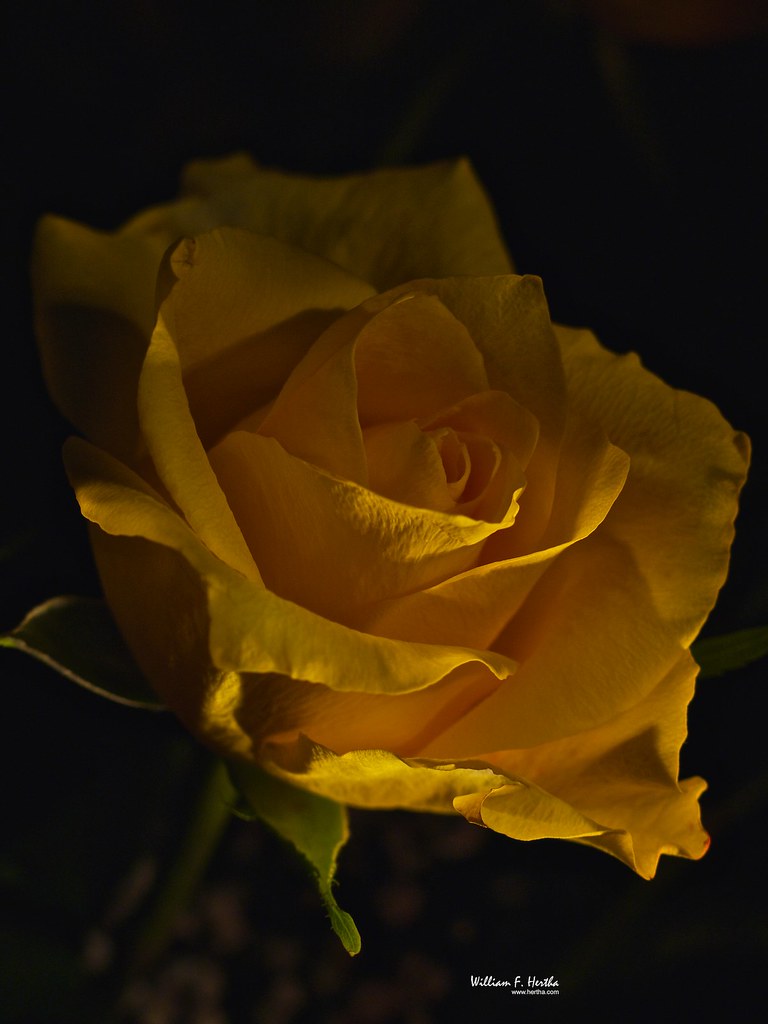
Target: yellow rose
column 379, row 526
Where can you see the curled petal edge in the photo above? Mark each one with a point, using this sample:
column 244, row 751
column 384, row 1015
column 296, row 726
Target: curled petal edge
column 251, row 628
column 510, row 805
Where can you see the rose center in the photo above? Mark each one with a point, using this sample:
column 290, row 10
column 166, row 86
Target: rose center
column 440, row 468
column 455, row 459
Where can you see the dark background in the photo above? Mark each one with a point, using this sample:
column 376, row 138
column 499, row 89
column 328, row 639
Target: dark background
column 624, row 146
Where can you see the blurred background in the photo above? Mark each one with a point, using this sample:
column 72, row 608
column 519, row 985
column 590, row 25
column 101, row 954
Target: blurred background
column 624, row 145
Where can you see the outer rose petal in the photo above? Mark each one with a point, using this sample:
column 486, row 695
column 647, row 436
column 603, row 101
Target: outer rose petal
column 509, row 804
column 95, row 291
column 614, row 787
column 242, row 310
column 685, row 460
column 615, row 612
column 624, row 774
column 94, row 311
column 251, row 630
column 388, row 226
column 379, row 779
column 280, row 710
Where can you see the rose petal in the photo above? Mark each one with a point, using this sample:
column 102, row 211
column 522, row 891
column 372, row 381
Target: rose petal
column 405, row 464
column 590, row 621
column 165, row 623
column 625, row 602
column 73, row 265
column 251, row 629
column 278, row 710
column 585, row 480
column 388, row 225
column 685, row 460
column 624, row 774
column 496, row 415
column 478, row 604
column 508, row 321
column 314, row 417
column 492, row 425
column 379, row 779
column 413, row 359
column 614, row 787
column 94, row 310
column 95, row 291
column 311, row 533
column 180, row 458
column 242, row 309
column 383, row 361
column 229, row 285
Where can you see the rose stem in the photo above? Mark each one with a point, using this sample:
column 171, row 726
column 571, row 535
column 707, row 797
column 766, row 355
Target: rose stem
column 209, row 819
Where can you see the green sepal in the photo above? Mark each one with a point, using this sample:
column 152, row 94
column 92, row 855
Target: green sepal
column 78, row 637
column 717, row 655
column 315, row 826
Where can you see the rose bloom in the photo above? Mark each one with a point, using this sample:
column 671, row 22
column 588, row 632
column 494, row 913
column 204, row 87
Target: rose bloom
column 367, row 518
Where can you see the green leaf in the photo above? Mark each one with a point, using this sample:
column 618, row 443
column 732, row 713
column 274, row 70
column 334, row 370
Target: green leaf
column 717, row 655
column 315, row 826
column 78, row 637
